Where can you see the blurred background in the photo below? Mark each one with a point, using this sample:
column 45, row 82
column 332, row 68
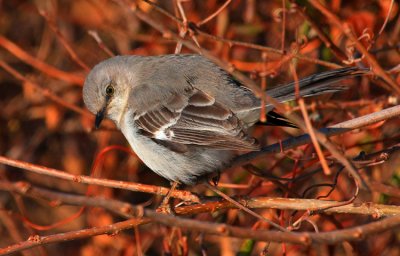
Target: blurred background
column 48, row 47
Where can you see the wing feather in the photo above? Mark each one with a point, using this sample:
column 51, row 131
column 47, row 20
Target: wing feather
column 195, row 118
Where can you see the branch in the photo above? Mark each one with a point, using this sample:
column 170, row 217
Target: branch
column 345, row 27
column 305, row 238
column 193, row 28
column 38, row 64
column 44, row 91
column 336, row 129
column 183, row 195
column 209, row 204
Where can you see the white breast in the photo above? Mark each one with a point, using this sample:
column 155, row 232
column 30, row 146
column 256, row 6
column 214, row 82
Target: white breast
column 172, row 165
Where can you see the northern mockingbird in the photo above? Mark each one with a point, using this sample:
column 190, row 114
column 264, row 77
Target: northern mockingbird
column 183, row 115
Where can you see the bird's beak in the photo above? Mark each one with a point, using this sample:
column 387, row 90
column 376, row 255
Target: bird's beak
column 99, row 118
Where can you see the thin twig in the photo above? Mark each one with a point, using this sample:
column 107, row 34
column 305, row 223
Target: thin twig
column 44, row 91
column 283, row 29
column 310, row 129
column 345, row 27
column 38, row 64
column 321, row 34
column 244, row 208
column 181, row 25
column 212, row 16
column 96, row 37
column 63, row 40
column 230, row 42
column 387, row 18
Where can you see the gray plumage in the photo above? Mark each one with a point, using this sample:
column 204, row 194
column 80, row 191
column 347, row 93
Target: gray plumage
column 183, row 115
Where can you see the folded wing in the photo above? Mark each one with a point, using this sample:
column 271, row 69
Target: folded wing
column 194, row 118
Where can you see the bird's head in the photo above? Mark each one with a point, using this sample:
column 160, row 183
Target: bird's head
column 106, row 89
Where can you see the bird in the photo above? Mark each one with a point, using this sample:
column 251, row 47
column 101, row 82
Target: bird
column 184, row 116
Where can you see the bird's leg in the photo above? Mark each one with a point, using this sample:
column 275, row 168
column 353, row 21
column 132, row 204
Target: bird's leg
column 174, row 184
column 165, row 206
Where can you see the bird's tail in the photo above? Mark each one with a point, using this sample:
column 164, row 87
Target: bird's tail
column 321, row 83
column 316, row 84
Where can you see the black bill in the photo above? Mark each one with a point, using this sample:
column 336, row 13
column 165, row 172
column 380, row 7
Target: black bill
column 99, row 118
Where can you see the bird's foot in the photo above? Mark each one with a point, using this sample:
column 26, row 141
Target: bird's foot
column 166, row 206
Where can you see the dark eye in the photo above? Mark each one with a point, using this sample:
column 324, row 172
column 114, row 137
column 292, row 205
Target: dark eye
column 109, row 90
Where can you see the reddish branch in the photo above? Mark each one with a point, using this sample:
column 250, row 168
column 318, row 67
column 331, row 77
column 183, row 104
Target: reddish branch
column 262, row 48
column 38, row 64
column 183, row 195
column 44, row 91
column 345, row 27
column 321, row 34
column 64, row 41
column 208, row 204
column 143, row 216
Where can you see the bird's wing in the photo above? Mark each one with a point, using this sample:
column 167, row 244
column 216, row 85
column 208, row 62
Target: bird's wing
column 193, row 118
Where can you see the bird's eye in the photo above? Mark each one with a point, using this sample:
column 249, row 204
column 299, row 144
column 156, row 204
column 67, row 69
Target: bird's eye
column 109, row 90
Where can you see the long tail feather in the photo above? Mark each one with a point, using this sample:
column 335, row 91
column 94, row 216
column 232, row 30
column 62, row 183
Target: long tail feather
column 316, row 84
column 320, row 83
